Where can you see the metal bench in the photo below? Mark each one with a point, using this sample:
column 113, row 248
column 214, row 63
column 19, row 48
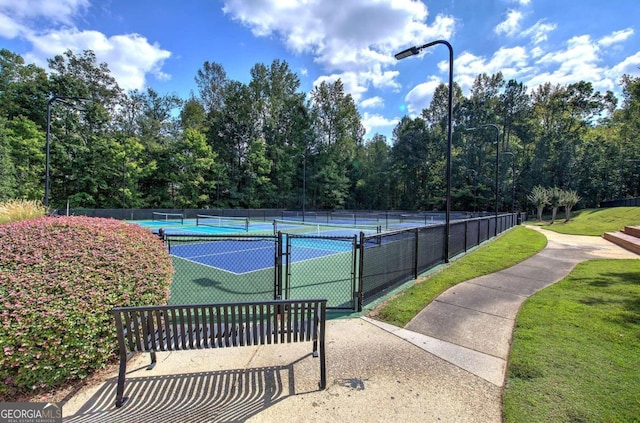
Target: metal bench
column 222, row 325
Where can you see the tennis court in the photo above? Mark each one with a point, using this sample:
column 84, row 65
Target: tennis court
column 241, row 267
column 241, row 255
column 176, row 223
column 237, row 260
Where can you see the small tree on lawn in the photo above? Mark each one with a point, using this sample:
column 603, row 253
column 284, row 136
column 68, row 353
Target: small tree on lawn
column 555, row 200
column 568, row 200
column 539, row 197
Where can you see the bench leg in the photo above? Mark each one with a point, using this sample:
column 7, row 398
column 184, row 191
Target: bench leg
column 153, row 361
column 323, row 366
column 121, row 376
column 315, row 348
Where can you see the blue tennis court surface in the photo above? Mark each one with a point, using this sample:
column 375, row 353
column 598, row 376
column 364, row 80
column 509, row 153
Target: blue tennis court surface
column 245, row 256
column 173, row 227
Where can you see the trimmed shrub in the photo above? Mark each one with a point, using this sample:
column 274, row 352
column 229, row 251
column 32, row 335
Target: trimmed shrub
column 59, row 279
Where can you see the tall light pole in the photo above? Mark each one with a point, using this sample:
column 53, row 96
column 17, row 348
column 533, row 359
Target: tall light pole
column 63, row 100
column 475, row 188
column 304, row 184
column 412, row 51
column 494, row 126
column 513, row 183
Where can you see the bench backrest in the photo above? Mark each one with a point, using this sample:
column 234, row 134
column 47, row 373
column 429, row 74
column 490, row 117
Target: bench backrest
column 183, row 327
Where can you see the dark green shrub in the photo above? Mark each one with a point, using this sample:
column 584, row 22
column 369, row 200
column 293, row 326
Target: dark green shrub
column 59, row 278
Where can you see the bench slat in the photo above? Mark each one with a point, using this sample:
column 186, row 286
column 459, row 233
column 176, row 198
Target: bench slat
column 221, row 325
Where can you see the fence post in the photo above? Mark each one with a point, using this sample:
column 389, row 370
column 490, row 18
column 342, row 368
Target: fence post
column 277, row 294
column 360, row 290
column 415, row 254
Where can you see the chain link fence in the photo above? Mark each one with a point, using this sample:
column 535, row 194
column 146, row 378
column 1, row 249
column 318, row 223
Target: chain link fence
column 349, row 270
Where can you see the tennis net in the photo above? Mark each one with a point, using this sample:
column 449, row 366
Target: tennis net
column 334, row 229
column 240, row 223
column 168, row 217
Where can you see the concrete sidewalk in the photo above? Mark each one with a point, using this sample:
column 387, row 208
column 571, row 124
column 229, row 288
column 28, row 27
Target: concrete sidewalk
column 448, row 364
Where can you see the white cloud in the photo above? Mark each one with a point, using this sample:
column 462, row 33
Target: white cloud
column 56, row 11
column 345, row 37
column 579, row 61
column 420, row 96
column 9, row 28
column 616, row 37
column 512, row 62
column 358, row 83
column 376, row 123
column 539, row 31
column 372, row 103
column 511, row 24
column 629, row 66
column 131, row 57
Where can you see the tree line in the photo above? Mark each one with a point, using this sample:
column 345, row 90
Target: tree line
column 267, row 144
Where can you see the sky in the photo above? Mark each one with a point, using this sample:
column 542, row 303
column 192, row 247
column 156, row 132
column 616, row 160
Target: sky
column 162, row 44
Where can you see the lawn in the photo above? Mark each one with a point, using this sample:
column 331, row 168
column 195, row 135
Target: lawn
column 593, row 221
column 510, row 248
column 575, row 355
column 576, row 349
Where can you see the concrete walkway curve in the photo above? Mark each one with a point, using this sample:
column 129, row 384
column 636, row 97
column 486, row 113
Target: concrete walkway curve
column 471, row 324
column 447, row 365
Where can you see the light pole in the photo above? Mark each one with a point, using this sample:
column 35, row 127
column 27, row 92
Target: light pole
column 494, row 126
column 63, row 100
column 513, row 183
column 475, row 188
column 304, row 184
column 412, row 51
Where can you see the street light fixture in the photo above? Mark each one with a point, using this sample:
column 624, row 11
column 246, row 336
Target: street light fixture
column 494, row 126
column 64, row 100
column 412, row 51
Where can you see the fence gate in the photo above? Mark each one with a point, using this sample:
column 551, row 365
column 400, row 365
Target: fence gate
column 224, row 268
column 322, row 267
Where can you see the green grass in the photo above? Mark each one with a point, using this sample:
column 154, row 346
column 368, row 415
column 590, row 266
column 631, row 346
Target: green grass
column 576, row 348
column 509, row 249
column 575, row 355
column 593, row 221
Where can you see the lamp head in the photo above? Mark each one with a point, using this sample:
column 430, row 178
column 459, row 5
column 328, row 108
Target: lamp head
column 411, row 51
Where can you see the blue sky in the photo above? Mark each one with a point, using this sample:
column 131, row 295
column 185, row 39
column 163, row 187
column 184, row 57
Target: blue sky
column 162, row 44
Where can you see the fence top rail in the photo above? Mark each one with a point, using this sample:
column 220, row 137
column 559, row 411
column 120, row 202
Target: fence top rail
column 220, row 305
column 402, row 231
column 231, row 236
column 328, row 237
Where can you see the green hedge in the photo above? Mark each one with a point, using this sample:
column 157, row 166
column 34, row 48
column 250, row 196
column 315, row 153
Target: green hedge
column 59, row 278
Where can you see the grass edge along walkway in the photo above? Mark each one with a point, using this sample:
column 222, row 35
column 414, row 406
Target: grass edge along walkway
column 576, row 348
column 507, row 250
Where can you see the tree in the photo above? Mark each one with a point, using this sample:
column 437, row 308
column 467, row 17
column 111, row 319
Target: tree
column 7, row 176
column 540, row 198
column 25, row 155
column 281, row 121
column 338, row 134
column 194, row 161
column 24, row 89
column 212, row 82
column 555, row 201
column 568, row 199
column 82, row 146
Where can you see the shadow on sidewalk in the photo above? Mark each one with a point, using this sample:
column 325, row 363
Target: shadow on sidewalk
column 219, row 396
